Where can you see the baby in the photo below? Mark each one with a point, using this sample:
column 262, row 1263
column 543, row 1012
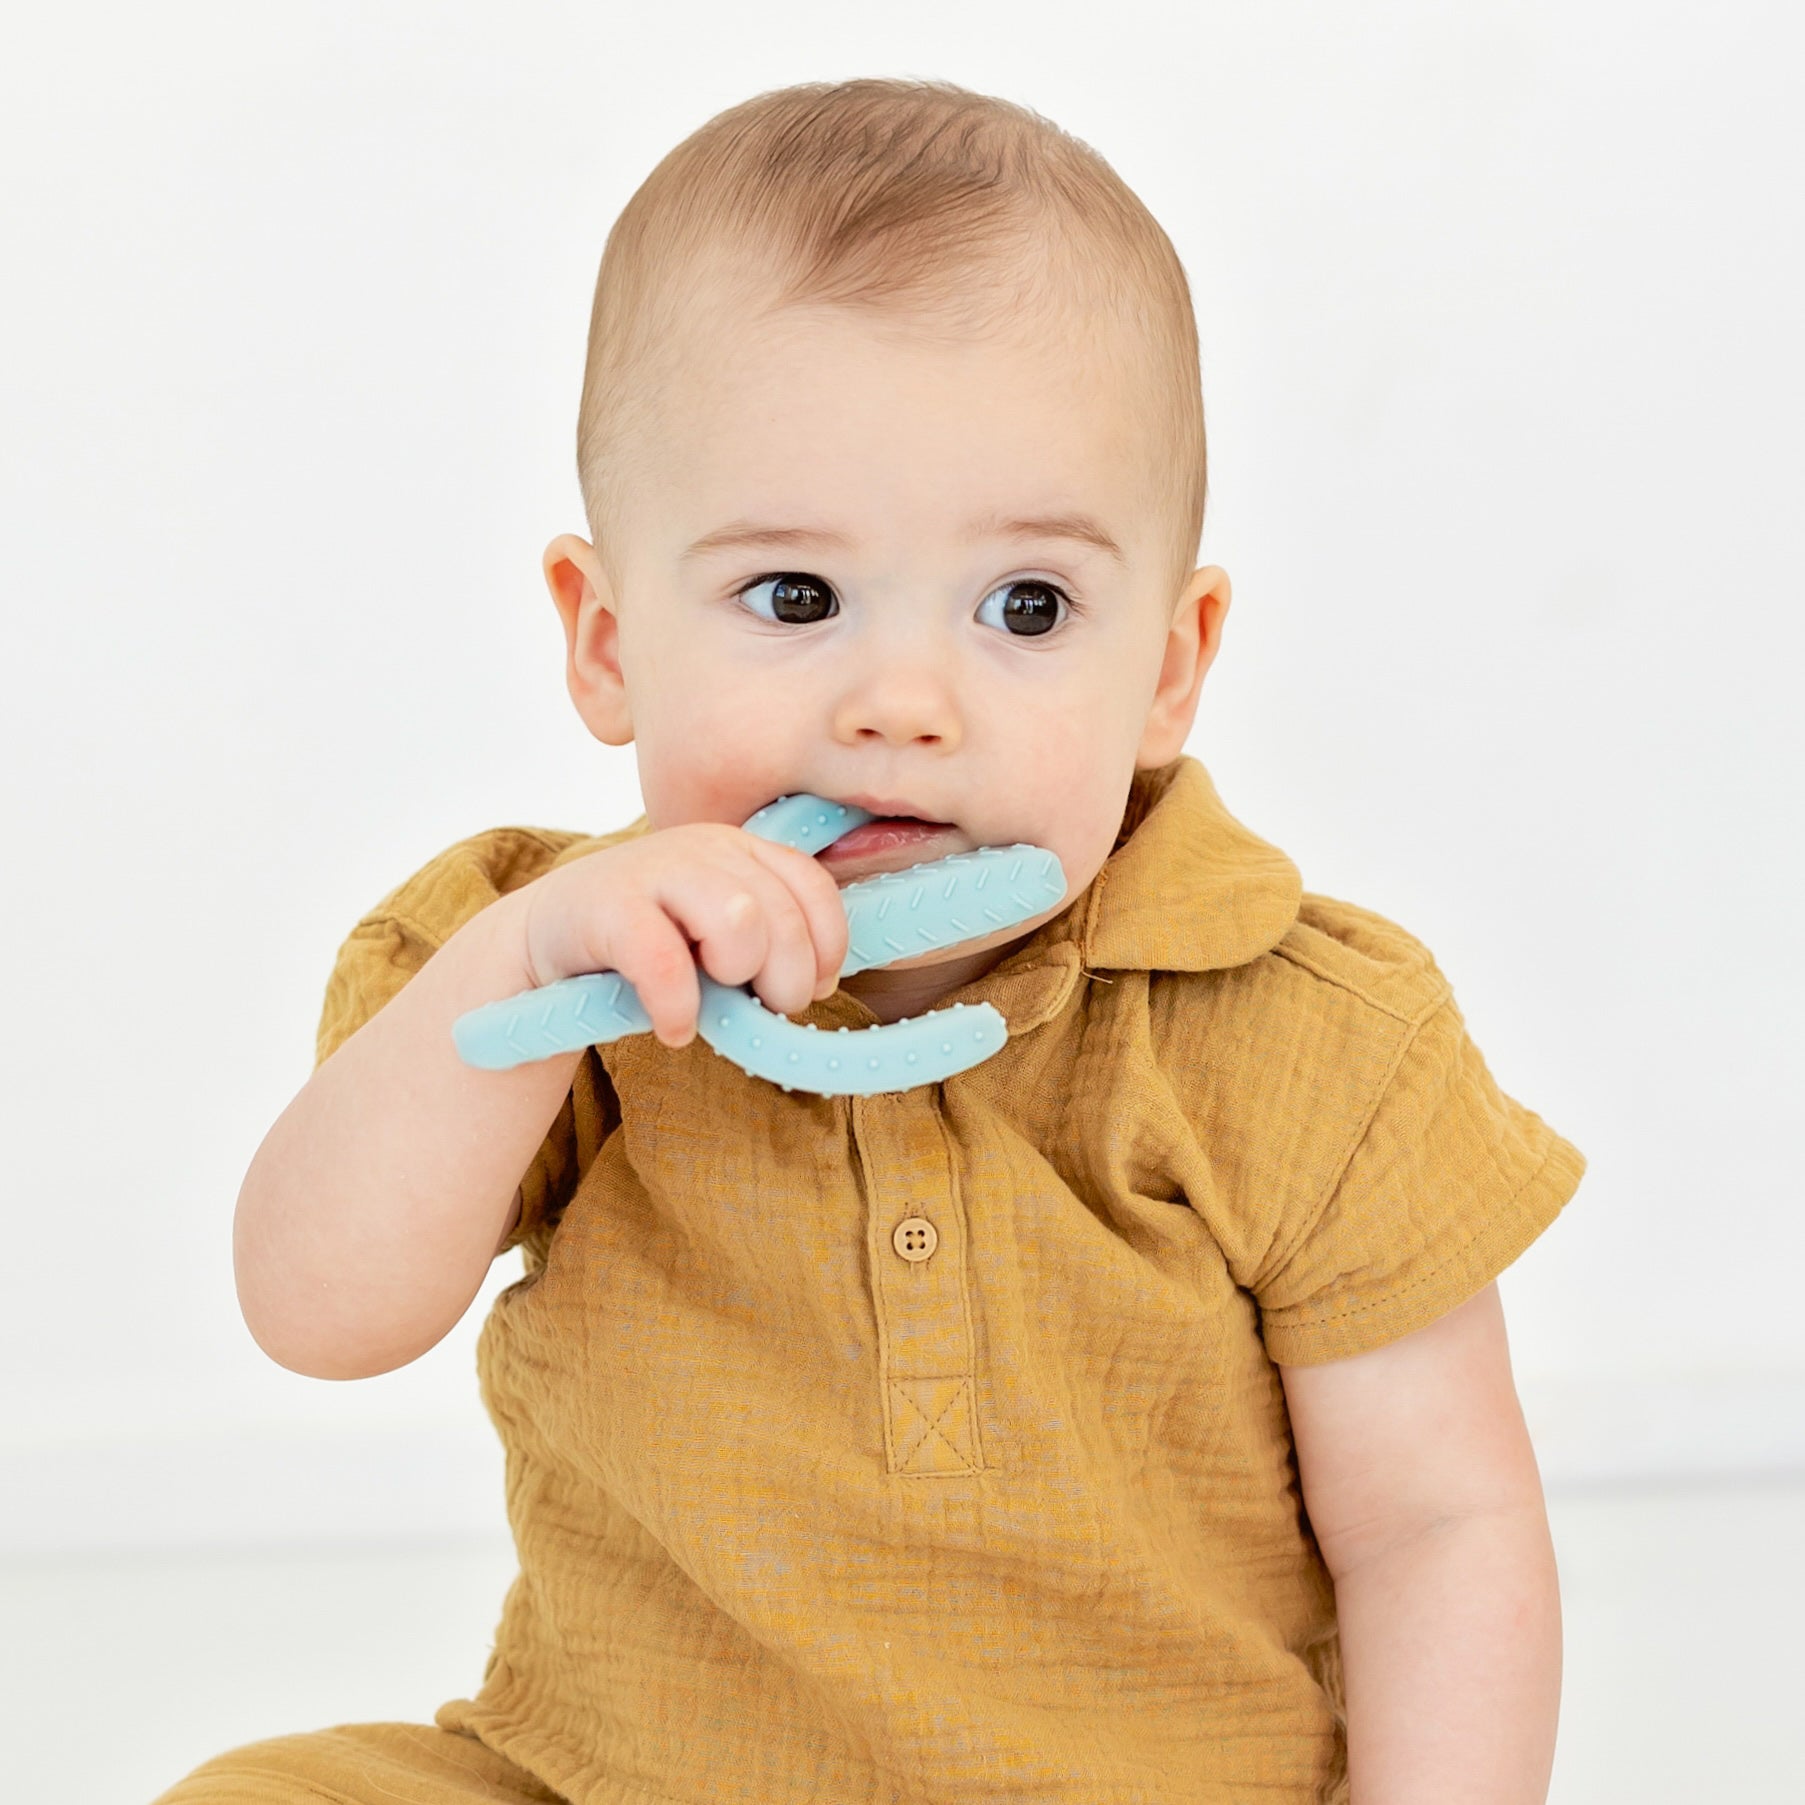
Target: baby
column 1067, row 1430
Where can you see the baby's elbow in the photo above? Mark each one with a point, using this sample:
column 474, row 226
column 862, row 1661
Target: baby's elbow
column 305, row 1335
column 317, row 1359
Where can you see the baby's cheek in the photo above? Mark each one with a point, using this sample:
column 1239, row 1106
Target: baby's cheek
column 718, row 758
column 1085, row 782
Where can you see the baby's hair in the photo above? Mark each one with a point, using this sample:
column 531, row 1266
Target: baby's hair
column 919, row 197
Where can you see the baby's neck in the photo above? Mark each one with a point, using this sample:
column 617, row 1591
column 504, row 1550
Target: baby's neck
column 891, row 995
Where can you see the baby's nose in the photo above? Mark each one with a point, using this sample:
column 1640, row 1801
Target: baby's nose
column 903, row 706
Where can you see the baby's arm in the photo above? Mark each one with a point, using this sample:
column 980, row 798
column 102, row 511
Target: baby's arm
column 372, row 1210
column 1422, row 1488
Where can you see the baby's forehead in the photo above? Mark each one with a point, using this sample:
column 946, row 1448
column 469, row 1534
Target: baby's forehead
column 1049, row 393
column 999, row 297
column 796, row 382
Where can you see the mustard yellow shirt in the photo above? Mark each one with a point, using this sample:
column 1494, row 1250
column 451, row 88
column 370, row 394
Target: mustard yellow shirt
column 931, row 1446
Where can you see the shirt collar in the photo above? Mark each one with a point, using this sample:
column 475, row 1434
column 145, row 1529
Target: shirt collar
column 1187, row 888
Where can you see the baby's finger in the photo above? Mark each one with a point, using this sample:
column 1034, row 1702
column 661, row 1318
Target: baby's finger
column 816, row 894
column 650, row 952
column 745, row 926
column 766, row 941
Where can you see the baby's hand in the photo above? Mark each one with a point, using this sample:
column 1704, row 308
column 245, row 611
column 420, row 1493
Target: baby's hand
column 757, row 912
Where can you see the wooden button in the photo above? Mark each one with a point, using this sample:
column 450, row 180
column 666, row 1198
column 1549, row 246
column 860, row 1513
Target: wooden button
column 915, row 1238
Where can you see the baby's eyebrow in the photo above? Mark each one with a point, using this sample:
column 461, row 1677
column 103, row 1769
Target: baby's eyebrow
column 1079, row 528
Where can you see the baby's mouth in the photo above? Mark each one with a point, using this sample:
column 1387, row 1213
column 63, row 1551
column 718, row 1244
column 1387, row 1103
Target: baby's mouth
column 885, row 836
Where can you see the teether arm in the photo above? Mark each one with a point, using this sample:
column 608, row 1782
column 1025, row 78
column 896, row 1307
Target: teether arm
column 371, row 1211
column 888, row 917
column 893, row 916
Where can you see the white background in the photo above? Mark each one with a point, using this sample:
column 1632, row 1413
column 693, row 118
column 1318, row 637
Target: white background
column 1499, row 314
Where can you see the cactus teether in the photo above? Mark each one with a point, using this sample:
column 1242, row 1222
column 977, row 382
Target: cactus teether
column 889, row 917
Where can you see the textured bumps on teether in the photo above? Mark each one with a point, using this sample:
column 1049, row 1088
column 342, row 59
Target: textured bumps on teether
column 847, row 1062
column 891, row 916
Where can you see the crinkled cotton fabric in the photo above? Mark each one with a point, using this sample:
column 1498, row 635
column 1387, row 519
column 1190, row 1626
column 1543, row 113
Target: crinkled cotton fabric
column 805, row 1515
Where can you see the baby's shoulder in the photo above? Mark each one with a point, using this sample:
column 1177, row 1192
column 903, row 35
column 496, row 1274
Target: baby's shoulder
column 1306, row 1033
column 467, row 876
column 1278, row 1062
column 1334, row 961
column 1361, row 953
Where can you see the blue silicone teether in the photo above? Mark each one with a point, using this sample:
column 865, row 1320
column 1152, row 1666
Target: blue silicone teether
column 889, row 917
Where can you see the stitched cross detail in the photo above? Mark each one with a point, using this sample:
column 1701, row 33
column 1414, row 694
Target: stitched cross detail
column 934, row 1427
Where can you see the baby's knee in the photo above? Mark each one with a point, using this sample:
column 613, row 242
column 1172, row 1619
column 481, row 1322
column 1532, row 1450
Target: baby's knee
column 279, row 1769
column 359, row 1764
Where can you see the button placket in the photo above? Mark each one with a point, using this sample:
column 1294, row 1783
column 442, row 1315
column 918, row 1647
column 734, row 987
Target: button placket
column 917, row 1239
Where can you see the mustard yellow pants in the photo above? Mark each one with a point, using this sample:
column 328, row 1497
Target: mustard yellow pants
column 361, row 1764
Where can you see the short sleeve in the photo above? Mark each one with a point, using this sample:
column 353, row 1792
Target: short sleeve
column 591, row 1112
column 378, row 956
column 394, row 940
column 1447, row 1183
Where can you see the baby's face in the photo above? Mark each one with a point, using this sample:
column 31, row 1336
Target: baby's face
column 928, row 577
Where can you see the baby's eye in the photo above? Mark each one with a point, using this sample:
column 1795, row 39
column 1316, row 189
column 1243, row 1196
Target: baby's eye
column 1029, row 607
column 795, row 598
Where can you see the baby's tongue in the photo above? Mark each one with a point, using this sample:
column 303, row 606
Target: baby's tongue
column 883, row 833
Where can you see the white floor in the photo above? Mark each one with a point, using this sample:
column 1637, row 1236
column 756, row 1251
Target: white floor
column 1682, row 1610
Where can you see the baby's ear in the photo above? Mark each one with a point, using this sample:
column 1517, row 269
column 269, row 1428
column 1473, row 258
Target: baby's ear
column 587, row 606
column 1192, row 638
